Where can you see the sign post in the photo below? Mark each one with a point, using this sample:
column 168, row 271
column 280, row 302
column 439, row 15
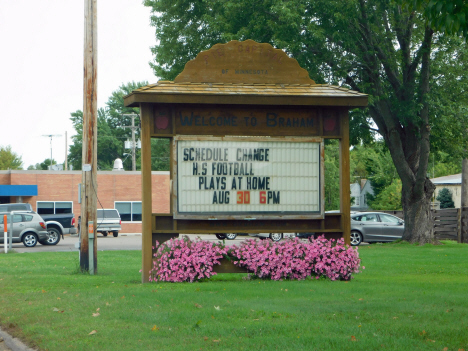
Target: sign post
column 5, row 233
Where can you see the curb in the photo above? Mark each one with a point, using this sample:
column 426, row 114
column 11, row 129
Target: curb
column 9, row 343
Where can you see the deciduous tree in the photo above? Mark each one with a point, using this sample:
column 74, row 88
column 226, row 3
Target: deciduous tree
column 380, row 47
column 111, row 135
column 9, row 159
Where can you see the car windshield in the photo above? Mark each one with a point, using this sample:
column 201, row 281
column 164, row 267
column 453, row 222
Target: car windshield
column 107, row 214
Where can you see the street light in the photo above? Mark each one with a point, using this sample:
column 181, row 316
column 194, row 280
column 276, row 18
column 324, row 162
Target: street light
column 51, row 136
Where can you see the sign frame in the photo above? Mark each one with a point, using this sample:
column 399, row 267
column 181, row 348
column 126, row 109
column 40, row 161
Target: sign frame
column 255, row 214
column 212, row 88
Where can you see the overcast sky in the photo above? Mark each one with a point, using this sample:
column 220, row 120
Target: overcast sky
column 41, row 65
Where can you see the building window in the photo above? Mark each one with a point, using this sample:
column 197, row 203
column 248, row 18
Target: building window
column 54, row 207
column 130, row 211
column 357, row 201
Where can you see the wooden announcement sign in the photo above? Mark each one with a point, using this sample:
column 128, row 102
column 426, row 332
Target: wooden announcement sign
column 247, row 128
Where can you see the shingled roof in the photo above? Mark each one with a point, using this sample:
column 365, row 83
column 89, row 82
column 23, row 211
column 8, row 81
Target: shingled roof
column 245, row 73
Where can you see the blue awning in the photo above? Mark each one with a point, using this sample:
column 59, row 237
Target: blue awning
column 18, row 190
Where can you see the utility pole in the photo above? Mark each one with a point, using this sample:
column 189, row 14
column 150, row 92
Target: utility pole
column 51, row 136
column 88, row 243
column 133, row 127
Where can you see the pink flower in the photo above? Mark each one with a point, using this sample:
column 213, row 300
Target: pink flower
column 185, row 260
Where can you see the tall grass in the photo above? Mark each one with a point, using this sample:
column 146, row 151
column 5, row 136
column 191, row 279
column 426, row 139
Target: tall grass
column 408, row 298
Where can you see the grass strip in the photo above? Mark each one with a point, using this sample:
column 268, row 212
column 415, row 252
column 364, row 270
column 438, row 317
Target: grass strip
column 408, row 297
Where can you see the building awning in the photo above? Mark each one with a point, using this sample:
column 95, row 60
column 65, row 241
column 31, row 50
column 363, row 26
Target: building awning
column 18, row 190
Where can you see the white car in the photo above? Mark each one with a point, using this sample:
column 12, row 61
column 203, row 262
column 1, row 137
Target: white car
column 274, row 236
column 28, row 228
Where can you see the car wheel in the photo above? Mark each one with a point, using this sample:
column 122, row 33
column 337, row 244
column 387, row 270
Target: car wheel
column 53, row 237
column 276, row 236
column 115, row 234
column 356, row 238
column 104, row 233
column 221, row 236
column 30, row 240
column 231, row 236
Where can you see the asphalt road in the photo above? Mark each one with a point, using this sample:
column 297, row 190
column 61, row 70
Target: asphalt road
column 122, row 242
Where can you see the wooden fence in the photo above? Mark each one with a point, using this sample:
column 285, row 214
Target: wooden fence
column 449, row 223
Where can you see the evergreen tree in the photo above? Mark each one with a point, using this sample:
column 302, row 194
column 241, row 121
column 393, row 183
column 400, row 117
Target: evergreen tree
column 445, row 198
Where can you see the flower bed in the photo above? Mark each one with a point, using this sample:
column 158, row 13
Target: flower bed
column 183, row 260
column 179, row 260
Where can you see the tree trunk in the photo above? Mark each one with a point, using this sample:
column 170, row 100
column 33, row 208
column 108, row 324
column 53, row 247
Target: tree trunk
column 418, row 215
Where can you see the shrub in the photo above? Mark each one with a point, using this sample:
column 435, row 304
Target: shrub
column 183, row 260
column 294, row 259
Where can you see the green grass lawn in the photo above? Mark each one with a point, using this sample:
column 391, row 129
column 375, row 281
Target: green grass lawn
column 407, row 298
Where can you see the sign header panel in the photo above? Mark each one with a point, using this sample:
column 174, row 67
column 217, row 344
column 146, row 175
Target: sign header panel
column 198, row 120
column 248, row 178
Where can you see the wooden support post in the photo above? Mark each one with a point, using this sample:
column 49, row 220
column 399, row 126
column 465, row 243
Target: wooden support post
column 146, row 114
column 89, row 153
column 345, row 197
column 464, row 200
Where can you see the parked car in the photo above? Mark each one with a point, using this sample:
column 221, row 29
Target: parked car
column 57, row 224
column 229, row 236
column 273, row 236
column 375, row 227
column 28, row 228
column 16, row 207
column 307, row 235
column 108, row 220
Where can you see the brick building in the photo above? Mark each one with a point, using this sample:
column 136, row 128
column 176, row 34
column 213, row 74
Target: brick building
column 57, row 192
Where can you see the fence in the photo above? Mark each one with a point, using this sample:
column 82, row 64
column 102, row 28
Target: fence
column 449, row 223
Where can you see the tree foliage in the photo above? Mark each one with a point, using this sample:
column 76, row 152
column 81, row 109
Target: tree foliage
column 447, row 16
column 9, row 159
column 445, row 198
column 374, row 162
column 112, row 135
column 448, row 99
column 42, row 166
column 45, row 164
column 332, row 175
column 109, row 146
column 389, row 199
column 383, row 48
